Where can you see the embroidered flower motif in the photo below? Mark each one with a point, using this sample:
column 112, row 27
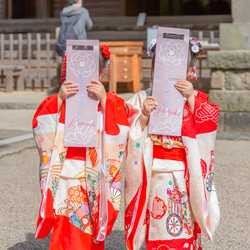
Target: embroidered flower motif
column 163, row 247
column 117, row 177
column 207, row 112
column 112, row 170
column 177, row 198
column 106, row 51
column 195, row 48
column 82, row 63
column 85, row 221
column 80, row 214
column 171, row 52
column 85, row 209
column 159, row 208
column 77, row 195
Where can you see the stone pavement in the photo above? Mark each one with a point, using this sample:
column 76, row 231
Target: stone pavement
column 20, row 194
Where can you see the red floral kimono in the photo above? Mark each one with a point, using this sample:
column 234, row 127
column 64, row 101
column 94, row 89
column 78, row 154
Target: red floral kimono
column 170, row 196
column 81, row 187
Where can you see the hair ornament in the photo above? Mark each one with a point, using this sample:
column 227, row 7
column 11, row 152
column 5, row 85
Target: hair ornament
column 195, row 49
column 150, row 46
column 194, row 45
column 106, row 51
column 193, row 74
column 63, row 78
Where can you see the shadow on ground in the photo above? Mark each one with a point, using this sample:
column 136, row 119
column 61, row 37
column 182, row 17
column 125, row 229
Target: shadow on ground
column 115, row 241
column 31, row 243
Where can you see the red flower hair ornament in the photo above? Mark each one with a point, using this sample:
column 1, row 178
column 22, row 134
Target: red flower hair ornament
column 106, row 53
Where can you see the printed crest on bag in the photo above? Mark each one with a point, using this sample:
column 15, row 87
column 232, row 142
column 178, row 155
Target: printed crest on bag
column 81, row 109
column 170, row 66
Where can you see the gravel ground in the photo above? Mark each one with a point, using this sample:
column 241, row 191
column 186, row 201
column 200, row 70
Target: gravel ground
column 20, row 198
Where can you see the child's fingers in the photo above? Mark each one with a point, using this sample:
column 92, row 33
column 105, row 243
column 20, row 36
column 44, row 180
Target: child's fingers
column 180, row 88
column 66, row 89
column 153, row 103
column 70, row 93
column 67, row 83
column 96, row 82
column 92, row 88
column 150, row 98
column 179, row 85
column 73, row 88
column 94, row 85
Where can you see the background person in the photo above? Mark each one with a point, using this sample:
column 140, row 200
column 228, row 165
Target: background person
column 84, row 22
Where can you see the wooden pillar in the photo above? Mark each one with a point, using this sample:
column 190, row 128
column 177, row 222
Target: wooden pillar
column 165, row 8
column 123, row 6
column 41, row 9
column 170, row 7
column 9, row 8
column 177, row 7
column 113, row 76
column 2, row 9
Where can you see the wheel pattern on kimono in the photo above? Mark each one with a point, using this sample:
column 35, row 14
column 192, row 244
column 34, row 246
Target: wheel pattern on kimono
column 159, row 208
column 209, row 182
column 174, row 225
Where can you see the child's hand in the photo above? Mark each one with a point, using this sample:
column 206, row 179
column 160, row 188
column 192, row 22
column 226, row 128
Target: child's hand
column 67, row 89
column 96, row 88
column 148, row 105
column 186, row 88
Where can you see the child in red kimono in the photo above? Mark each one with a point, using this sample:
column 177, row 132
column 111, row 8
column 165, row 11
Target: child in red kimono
column 81, row 187
column 169, row 191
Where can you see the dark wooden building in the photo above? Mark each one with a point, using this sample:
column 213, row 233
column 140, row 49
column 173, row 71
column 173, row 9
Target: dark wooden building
column 22, row 16
column 13, row 9
column 28, row 31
